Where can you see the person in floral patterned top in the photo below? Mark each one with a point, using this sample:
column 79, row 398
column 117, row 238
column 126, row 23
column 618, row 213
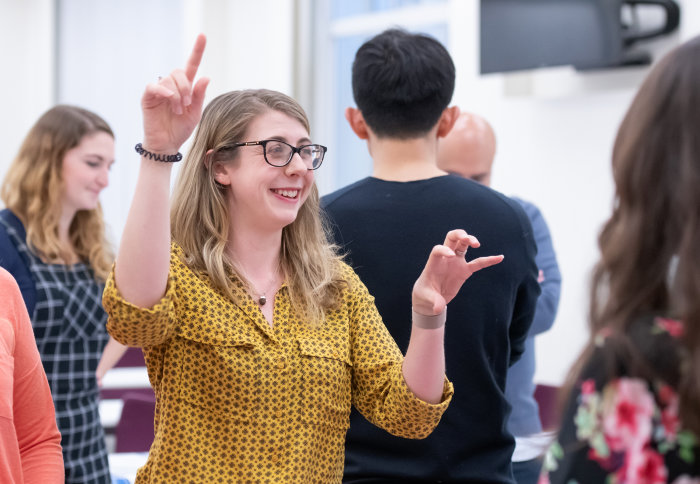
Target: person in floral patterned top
column 633, row 412
column 627, row 429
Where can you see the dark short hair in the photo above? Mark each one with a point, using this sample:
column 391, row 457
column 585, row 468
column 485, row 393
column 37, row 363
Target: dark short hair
column 402, row 82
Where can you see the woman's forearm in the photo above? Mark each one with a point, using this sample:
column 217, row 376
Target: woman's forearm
column 143, row 261
column 424, row 363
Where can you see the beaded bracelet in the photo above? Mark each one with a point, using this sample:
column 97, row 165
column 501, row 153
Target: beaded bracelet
column 157, row 157
column 429, row 322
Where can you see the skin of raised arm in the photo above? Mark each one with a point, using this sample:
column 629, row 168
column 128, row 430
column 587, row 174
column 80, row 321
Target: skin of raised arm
column 171, row 109
column 441, row 279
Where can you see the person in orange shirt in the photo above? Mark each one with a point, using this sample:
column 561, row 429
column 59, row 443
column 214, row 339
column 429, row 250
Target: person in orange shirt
column 30, row 444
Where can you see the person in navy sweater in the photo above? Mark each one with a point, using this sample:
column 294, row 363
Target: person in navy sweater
column 403, row 84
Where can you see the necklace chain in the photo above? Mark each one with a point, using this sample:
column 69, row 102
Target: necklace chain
column 261, row 296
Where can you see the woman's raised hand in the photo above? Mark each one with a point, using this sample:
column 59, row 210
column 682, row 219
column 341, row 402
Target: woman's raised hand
column 446, row 271
column 172, row 106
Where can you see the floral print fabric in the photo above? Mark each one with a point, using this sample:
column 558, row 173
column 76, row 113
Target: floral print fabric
column 625, row 429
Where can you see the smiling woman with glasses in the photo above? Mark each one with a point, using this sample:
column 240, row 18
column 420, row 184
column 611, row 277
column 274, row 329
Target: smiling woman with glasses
column 258, row 337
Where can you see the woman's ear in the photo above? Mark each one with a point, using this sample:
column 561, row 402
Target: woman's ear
column 208, row 156
column 221, row 176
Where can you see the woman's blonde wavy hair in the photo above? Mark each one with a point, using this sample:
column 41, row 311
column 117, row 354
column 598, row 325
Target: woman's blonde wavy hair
column 33, row 189
column 200, row 215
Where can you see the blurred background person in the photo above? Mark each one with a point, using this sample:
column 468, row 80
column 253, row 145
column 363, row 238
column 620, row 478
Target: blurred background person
column 633, row 415
column 52, row 240
column 30, row 443
column 468, row 150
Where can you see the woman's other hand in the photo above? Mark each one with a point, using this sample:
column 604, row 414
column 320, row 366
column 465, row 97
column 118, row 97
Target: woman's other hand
column 446, row 271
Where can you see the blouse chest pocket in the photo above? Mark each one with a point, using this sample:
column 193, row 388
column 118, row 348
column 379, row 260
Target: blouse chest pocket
column 326, row 382
column 220, row 372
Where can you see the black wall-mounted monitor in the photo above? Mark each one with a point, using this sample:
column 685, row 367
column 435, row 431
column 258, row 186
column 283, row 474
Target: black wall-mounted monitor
column 527, row 34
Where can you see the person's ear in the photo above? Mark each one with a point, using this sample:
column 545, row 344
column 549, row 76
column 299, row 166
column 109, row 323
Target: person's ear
column 219, row 173
column 357, row 122
column 221, row 176
column 448, row 118
column 208, row 158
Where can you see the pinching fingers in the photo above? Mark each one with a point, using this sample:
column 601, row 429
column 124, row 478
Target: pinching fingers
column 459, row 241
column 464, row 244
column 453, row 237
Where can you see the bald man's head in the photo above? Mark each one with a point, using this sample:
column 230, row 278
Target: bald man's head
column 468, row 149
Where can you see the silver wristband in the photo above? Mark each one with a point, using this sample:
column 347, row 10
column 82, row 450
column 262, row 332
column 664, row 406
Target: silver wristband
column 429, row 322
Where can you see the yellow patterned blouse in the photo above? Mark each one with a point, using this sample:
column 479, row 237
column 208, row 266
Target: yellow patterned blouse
column 239, row 400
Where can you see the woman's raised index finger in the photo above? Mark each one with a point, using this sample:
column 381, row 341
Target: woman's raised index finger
column 195, row 57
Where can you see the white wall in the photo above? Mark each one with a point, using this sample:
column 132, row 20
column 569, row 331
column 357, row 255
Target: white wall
column 27, row 75
column 106, row 72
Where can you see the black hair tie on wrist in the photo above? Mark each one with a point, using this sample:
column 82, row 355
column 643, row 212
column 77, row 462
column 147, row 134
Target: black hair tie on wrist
column 157, row 157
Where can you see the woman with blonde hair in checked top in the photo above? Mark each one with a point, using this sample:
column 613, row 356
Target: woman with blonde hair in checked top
column 258, row 338
column 53, row 242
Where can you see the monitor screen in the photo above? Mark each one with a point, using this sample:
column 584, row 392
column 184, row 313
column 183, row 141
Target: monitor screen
column 527, row 34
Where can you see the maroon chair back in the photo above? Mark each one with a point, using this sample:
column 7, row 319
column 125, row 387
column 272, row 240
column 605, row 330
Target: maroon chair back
column 134, row 432
column 131, row 358
column 547, row 397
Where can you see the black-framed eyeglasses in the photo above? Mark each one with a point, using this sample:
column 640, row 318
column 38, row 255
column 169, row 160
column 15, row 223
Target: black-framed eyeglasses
column 278, row 153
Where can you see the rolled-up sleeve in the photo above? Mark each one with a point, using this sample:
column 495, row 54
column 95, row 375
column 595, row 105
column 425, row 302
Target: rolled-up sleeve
column 136, row 326
column 380, row 392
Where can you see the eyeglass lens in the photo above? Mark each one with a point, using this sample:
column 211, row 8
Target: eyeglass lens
column 278, row 153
